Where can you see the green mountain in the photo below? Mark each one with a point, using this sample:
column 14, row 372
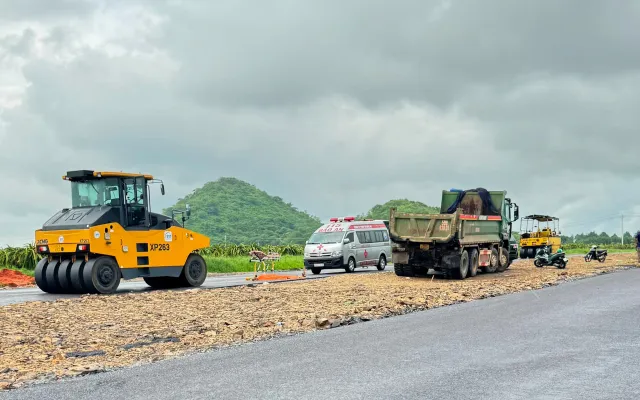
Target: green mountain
column 381, row 211
column 237, row 212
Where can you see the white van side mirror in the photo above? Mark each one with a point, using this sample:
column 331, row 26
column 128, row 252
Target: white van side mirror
column 346, row 240
column 306, row 242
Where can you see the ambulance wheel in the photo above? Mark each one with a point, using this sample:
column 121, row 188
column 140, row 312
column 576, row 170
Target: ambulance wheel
column 351, row 265
column 316, row 271
column 382, row 263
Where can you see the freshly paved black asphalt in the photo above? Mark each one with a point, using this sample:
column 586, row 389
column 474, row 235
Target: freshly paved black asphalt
column 580, row 340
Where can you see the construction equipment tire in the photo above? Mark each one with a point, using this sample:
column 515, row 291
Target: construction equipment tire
column 51, row 276
column 101, row 275
column 473, row 263
column 194, row 271
column 39, row 275
column 408, row 270
column 64, row 277
column 463, row 267
column 75, row 276
column 398, row 269
column 503, row 259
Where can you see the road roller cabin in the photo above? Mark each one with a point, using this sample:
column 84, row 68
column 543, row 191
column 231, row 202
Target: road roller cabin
column 110, row 233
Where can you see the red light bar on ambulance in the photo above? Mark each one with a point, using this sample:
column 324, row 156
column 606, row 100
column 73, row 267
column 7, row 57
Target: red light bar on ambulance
column 349, row 219
column 333, row 219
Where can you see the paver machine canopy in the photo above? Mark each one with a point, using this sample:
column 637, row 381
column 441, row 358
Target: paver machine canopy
column 537, row 231
column 109, row 233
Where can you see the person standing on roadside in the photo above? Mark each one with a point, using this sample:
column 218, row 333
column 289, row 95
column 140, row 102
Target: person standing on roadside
column 637, row 239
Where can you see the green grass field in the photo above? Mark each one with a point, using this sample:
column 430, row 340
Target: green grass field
column 586, row 250
column 242, row 264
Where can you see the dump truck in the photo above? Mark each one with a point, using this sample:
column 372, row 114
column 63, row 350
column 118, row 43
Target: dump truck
column 472, row 232
column 539, row 231
column 109, row 233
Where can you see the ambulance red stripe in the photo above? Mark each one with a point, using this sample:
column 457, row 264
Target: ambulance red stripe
column 369, row 226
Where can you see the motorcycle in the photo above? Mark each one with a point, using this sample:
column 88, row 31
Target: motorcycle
column 543, row 259
column 600, row 255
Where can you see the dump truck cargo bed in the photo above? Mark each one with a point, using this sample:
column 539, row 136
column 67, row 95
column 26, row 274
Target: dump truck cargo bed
column 471, row 231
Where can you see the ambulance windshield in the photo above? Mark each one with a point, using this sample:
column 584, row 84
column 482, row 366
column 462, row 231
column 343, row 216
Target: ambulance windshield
column 326, row 237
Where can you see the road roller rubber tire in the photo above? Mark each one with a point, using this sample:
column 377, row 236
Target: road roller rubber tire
column 64, row 277
column 75, row 277
column 101, row 275
column 194, row 271
column 39, row 275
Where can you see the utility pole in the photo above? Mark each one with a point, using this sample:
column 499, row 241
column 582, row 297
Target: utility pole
column 622, row 227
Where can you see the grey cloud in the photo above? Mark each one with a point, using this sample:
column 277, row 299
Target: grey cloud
column 16, row 10
column 262, row 55
column 339, row 106
column 17, row 45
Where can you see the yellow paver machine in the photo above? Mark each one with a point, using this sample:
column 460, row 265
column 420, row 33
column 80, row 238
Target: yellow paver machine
column 110, row 233
column 539, row 231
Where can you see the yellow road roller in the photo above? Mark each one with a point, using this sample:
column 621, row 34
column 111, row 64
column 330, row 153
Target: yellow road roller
column 110, row 233
column 539, row 231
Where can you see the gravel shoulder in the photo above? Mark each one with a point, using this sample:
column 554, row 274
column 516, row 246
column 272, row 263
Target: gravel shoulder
column 41, row 341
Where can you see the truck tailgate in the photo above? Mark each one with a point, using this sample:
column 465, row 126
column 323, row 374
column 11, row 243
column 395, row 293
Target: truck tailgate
column 422, row 228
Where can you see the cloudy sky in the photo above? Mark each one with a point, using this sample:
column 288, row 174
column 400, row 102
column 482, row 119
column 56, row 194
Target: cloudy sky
column 333, row 105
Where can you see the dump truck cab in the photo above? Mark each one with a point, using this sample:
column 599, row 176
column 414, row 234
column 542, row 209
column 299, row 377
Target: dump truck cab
column 109, row 232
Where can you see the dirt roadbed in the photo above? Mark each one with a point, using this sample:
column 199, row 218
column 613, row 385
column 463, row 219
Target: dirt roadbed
column 41, row 341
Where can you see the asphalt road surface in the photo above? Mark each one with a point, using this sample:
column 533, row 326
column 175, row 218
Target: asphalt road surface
column 12, row 296
column 579, row 340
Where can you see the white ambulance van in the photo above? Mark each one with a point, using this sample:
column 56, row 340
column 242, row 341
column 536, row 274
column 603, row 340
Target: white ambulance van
column 349, row 244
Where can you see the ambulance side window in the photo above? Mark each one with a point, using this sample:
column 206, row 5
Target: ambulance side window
column 351, row 237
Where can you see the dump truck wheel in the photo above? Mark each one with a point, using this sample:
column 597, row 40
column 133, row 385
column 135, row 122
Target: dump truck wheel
column 398, row 269
column 101, row 275
column 39, row 275
column 64, row 277
column 463, row 267
column 316, row 271
column 473, row 263
column 493, row 261
column 194, row 271
column 503, row 260
column 408, row 270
